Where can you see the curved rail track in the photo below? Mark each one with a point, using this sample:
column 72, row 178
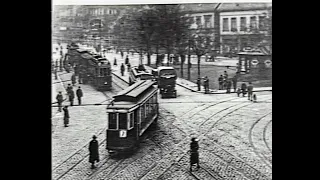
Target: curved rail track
column 110, row 168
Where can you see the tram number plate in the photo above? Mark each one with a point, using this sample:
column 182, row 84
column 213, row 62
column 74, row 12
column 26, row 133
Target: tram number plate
column 123, row 133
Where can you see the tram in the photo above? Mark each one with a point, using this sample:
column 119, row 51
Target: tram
column 136, row 74
column 94, row 70
column 130, row 113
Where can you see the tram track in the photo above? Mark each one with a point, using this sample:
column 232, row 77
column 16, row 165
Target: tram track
column 117, row 164
column 260, row 155
column 202, row 135
column 264, row 136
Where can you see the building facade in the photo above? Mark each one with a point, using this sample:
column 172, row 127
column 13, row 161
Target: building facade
column 243, row 27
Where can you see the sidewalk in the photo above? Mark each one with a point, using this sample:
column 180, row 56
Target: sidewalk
column 134, row 61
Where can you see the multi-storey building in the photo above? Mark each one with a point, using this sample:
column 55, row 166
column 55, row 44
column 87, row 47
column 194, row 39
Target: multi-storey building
column 231, row 26
column 84, row 23
column 243, row 25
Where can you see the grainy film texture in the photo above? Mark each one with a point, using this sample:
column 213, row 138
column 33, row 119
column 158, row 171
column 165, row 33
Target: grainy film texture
column 169, row 91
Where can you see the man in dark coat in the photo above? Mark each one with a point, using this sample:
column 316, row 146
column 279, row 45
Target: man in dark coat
column 69, row 87
column 79, row 95
column 250, row 91
column 66, row 116
column 229, row 84
column 129, row 66
column 121, row 54
column 71, row 97
column 122, row 68
column 93, row 151
column 73, row 79
column 220, row 79
column 115, row 62
column 127, row 60
column 243, row 89
column 59, row 98
column 234, row 82
column 199, row 84
column 194, row 158
column 206, row 85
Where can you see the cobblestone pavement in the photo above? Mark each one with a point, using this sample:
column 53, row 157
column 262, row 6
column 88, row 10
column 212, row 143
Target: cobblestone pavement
column 84, row 122
column 235, row 140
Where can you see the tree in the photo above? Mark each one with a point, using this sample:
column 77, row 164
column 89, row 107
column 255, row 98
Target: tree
column 202, row 42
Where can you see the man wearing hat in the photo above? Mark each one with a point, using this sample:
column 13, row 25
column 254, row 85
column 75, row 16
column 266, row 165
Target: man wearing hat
column 66, row 116
column 79, row 95
column 194, row 158
column 93, row 151
column 59, row 98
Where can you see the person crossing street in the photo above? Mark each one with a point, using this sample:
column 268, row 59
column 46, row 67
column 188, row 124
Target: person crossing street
column 79, row 95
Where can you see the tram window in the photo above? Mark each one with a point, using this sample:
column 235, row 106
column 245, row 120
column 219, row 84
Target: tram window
column 104, row 72
column 142, row 112
column 122, row 121
column 112, row 121
column 131, row 120
column 100, row 72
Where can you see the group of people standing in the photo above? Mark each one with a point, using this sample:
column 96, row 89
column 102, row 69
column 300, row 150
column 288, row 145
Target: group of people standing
column 226, row 83
column 122, row 67
column 71, row 96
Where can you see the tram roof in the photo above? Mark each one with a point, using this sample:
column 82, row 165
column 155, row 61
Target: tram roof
column 133, row 92
column 82, row 50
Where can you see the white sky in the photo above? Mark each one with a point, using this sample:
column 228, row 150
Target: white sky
column 114, row 2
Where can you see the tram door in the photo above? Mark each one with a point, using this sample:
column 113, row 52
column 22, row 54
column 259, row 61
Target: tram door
column 137, row 122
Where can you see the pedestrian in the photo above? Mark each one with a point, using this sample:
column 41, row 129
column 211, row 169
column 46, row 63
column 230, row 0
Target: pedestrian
column 244, row 89
column 55, row 73
column 59, row 98
column 127, row 60
column 66, row 116
column 206, row 85
column 238, row 92
column 71, row 97
column 115, row 61
column 225, row 75
column 129, row 66
column 79, row 95
column 220, row 80
column 194, row 157
column 234, row 82
column 93, row 151
column 73, row 79
column 122, row 68
column 121, row 54
column 250, row 91
column 199, row 83
column 69, row 87
column 229, row 84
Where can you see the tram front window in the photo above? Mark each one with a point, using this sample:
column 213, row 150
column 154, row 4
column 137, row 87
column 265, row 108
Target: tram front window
column 112, row 121
column 122, row 121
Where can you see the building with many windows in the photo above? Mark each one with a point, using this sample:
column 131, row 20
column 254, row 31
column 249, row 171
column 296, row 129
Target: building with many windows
column 232, row 26
column 243, row 25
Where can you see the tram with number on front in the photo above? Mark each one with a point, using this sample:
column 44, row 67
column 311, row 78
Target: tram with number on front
column 130, row 113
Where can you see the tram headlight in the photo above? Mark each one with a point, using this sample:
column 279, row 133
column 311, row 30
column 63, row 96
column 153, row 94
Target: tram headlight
column 105, row 83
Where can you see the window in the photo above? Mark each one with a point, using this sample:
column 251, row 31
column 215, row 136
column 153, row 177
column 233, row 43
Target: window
column 191, row 20
column 253, row 23
column 207, row 21
column 198, row 21
column 262, row 23
column 142, row 112
column 243, row 24
column 225, row 25
column 112, row 121
column 122, row 121
column 233, row 24
column 131, row 120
